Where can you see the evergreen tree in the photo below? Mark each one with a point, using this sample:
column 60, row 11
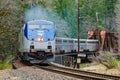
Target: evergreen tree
column 110, row 15
column 67, row 9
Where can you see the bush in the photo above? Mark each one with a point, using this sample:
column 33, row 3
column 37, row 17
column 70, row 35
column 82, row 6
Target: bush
column 110, row 61
column 4, row 65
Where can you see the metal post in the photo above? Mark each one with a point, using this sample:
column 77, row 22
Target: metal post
column 78, row 26
column 78, row 31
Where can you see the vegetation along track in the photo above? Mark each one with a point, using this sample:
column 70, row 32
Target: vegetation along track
column 78, row 73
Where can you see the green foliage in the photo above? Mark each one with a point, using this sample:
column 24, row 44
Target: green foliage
column 9, row 26
column 110, row 61
column 110, row 14
column 4, row 65
column 42, row 3
column 85, row 65
column 110, row 6
column 67, row 9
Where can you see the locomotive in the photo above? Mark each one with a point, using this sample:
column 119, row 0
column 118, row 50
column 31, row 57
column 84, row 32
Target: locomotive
column 39, row 44
column 34, row 39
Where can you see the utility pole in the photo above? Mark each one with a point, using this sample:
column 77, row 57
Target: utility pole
column 96, row 20
column 78, row 58
column 78, row 26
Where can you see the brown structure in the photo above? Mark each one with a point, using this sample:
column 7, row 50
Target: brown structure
column 108, row 41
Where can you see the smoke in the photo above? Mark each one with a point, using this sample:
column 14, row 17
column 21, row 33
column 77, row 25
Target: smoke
column 37, row 12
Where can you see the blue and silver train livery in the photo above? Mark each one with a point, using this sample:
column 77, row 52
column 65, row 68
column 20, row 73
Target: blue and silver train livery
column 35, row 40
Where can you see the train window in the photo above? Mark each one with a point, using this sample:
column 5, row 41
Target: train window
column 70, row 41
column 89, row 42
column 82, row 41
column 64, row 41
column 76, row 41
column 33, row 26
column 47, row 26
column 92, row 42
column 58, row 41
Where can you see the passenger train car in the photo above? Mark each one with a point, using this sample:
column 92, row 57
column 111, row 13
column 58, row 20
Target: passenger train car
column 86, row 45
column 39, row 44
column 69, row 45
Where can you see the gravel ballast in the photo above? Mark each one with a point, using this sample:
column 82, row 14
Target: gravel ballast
column 32, row 73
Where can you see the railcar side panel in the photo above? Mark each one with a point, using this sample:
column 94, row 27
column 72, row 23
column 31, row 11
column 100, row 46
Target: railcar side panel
column 91, row 45
column 63, row 45
column 82, row 45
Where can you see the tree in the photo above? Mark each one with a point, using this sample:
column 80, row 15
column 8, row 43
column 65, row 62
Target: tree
column 10, row 25
column 110, row 15
column 67, row 9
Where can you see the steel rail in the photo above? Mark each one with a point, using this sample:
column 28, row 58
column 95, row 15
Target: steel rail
column 71, row 74
column 112, row 77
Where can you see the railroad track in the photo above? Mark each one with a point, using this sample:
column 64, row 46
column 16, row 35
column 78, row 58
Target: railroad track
column 78, row 73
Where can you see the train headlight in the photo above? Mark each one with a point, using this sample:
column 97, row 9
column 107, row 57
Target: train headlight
column 40, row 39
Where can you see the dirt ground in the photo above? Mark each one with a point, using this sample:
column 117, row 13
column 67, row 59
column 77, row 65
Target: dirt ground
column 5, row 71
column 99, row 68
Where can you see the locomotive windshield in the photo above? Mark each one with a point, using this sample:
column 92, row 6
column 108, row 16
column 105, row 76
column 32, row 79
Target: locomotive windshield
column 41, row 27
column 47, row 26
column 34, row 27
column 37, row 29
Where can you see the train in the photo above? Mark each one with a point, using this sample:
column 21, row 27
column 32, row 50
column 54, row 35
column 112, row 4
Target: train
column 39, row 44
column 70, row 45
column 32, row 39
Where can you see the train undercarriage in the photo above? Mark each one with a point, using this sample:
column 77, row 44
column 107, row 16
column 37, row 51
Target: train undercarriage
column 39, row 57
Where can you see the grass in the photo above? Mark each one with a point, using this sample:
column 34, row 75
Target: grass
column 119, row 65
column 110, row 61
column 85, row 65
column 4, row 65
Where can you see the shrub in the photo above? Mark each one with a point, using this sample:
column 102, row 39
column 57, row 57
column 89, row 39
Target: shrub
column 110, row 61
column 4, row 65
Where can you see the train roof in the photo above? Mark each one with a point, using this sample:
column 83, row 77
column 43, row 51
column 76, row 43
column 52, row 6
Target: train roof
column 80, row 39
column 76, row 39
column 87, row 39
column 91, row 39
column 40, row 21
column 39, row 24
column 64, row 38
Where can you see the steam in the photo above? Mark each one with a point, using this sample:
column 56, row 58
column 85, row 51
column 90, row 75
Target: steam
column 37, row 12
